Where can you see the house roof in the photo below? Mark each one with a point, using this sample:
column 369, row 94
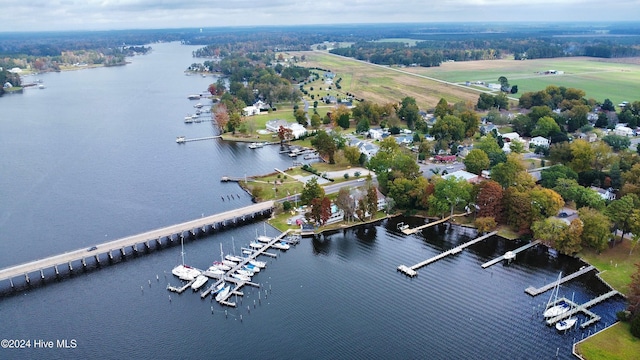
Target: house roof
column 462, row 174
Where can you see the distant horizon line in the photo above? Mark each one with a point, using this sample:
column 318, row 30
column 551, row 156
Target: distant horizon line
column 589, row 23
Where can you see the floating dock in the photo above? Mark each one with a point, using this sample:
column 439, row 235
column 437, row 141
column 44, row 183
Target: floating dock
column 534, row 292
column 575, row 308
column 411, row 270
column 510, row 254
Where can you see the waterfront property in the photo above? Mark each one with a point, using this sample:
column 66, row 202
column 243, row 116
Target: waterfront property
column 145, row 240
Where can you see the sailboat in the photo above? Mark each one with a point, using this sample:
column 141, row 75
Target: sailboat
column 554, row 309
column 233, row 257
column 567, row 324
column 200, row 280
column 184, row 272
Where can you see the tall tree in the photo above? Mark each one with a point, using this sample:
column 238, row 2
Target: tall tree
column 372, row 201
column 452, row 192
column 409, row 111
column 489, row 199
column 312, row 190
column 596, row 230
column 325, row 145
column 505, row 173
column 442, row 109
column 620, row 211
column 345, row 203
column 550, row 231
column 476, row 161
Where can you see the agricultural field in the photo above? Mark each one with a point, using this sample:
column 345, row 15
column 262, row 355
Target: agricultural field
column 385, row 84
column 599, row 78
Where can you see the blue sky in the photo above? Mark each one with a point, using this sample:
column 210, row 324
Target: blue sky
column 42, row 15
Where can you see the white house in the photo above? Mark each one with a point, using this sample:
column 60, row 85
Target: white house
column 274, row 125
column 297, row 130
column 376, row 134
column 464, row 175
column 511, row 136
column 606, row 194
column 623, row 131
column 255, row 108
column 540, row 141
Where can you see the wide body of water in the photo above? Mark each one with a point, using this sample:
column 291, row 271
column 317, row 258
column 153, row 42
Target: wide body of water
column 93, row 157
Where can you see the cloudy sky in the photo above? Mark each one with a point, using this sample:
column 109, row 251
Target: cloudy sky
column 38, row 15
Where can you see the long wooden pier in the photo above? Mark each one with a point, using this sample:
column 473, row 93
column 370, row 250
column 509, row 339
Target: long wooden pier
column 533, row 291
column 511, row 254
column 411, row 270
column 582, row 308
column 182, row 140
column 416, row 229
column 171, row 233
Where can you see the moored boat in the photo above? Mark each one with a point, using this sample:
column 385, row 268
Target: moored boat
column 200, row 280
column 241, row 277
column 256, row 245
column 281, row 245
column 264, row 239
column 221, row 266
column 223, row 293
column 233, row 258
column 566, row 324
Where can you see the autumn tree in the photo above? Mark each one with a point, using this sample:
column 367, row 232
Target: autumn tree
column 550, row 231
column 325, row 210
column 284, row 134
column 485, row 224
column 221, row 116
column 582, row 154
column 372, row 201
column 352, row 154
column 442, row 109
column 544, row 203
column 345, row 203
column 489, row 199
column 505, row 173
column 596, row 230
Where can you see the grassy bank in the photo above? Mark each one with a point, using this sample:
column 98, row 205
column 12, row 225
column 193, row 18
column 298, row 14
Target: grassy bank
column 614, row 343
column 615, row 264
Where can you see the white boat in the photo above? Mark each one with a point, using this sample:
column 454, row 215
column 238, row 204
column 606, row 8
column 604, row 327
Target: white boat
column 557, row 308
column 180, row 139
column 218, row 288
column 247, row 252
column 244, row 272
column 258, row 264
column 223, row 293
column 184, row 272
column 251, row 268
column 255, row 145
column 221, row 266
column 200, row 280
column 281, row 245
column 189, row 118
column 198, row 106
column 194, row 97
column 230, row 264
column 264, row 239
column 256, row 245
column 233, row 258
column 216, row 270
column 241, row 277
column 566, row 324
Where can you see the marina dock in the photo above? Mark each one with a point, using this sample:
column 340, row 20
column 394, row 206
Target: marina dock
column 182, row 139
column 138, row 244
column 510, row 254
column 533, row 291
column 575, row 308
column 411, row 270
column 226, row 277
column 416, row 229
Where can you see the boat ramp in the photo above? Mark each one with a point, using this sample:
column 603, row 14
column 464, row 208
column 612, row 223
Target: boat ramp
column 510, row 255
column 575, row 308
column 411, row 270
column 533, row 291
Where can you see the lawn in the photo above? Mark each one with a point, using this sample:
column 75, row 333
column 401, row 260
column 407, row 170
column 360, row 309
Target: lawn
column 600, row 79
column 382, row 84
column 615, row 264
column 614, row 343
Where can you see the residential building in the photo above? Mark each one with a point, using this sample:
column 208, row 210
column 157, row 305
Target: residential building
column 464, row 175
column 623, row 131
column 539, row 141
column 606, row 194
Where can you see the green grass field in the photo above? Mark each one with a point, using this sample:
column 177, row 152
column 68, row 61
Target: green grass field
column 599, row 79
column 614, row 343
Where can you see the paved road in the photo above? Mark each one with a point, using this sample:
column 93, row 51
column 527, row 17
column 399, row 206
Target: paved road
column 118, row 244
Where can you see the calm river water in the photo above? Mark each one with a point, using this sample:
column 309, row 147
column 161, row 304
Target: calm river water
column 93, row 157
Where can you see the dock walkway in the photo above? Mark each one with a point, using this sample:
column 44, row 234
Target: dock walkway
column 533, row 291
column 511, row 253
column 411, row 270
column 416, row 229
column 183, row 140
column 582, row 308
